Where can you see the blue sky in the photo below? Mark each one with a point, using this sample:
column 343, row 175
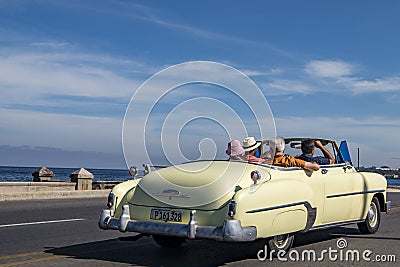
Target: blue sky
column 69, row 68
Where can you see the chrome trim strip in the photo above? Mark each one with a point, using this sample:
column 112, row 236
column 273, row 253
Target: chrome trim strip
column 334, row 225
column 339, row 165
column 356, row 193
column 278, row 207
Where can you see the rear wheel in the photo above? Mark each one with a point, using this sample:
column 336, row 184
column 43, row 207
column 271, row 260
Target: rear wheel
column 168, row 241
column 280, row 243
column 371, row 224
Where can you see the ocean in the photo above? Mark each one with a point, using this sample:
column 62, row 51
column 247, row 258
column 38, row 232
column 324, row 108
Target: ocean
column 395, row 182
column 24, row 174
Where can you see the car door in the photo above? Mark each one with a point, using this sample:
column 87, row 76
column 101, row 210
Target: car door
column 360, row 199
column 339, row 183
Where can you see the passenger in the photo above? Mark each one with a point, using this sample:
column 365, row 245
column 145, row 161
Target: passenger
column 250, row 146
column 235, row 150
column 278, row 145
column 308, row 149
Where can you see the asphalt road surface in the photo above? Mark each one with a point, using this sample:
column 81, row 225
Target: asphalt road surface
column 65, row 233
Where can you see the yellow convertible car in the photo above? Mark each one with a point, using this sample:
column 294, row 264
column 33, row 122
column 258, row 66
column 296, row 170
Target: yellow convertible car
column 237, row 201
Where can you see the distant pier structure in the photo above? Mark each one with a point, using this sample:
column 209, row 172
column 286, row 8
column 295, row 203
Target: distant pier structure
column 42, row 175
column 83, row 179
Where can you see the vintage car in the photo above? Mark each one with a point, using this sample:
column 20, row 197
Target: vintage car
column 237, row 201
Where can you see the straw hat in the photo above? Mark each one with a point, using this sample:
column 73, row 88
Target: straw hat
column 234, row 148
column 249, row 143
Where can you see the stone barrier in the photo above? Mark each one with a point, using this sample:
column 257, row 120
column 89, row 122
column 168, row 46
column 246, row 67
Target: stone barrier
column 100, row 185
column 22, row 187
column 48, row 195
column 43, row 187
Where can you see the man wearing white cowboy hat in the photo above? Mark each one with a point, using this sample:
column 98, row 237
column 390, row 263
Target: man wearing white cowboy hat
column 250, row 146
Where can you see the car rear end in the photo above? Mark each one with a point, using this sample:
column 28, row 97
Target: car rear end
column 183, row 204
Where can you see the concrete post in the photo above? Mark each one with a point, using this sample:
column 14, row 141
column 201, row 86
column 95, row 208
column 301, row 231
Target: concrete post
column 42, row 174
column 82, row 178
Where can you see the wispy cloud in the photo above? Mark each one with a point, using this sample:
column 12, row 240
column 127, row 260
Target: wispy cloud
column 270, row 72
column 346, row 75
column 329, row 68
column 31, row 77
column 382, row 85
column 50, row 44
column 134, row 11
column 283, row 87
column 331, row 76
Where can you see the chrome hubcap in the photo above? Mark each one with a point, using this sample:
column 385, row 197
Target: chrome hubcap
column 372, row 218
column 281, row 240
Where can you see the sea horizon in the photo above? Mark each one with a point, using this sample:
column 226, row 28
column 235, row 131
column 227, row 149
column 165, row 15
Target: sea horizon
column 24, row 173
column 60, row 167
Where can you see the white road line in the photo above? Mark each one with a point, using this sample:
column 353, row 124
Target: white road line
column 44, row 222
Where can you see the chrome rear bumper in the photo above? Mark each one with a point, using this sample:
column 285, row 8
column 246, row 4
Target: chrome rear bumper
column 231, row 231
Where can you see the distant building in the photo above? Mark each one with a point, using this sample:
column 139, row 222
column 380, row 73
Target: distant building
column 386, row 168
column 391, row 176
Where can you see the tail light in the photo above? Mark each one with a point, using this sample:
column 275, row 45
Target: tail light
column 110, row 200
column 232, row 208
column 133, row 171
column 255, row 176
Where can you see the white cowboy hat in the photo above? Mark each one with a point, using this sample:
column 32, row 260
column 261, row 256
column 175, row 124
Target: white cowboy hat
column 249, row 143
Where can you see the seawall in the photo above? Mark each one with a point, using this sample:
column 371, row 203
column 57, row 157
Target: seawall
column 393, row 189
column 10, row 191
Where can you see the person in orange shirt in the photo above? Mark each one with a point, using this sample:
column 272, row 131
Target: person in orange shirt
column 278, row 145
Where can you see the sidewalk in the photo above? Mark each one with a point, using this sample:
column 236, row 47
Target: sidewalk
column 393, row 189
column 54, row 195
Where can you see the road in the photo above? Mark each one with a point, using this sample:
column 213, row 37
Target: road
column 65, row 233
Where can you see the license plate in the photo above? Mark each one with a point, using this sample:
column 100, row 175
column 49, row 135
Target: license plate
column 166, row 215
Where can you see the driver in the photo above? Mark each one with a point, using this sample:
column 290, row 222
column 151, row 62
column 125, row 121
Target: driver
column 308, row 149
